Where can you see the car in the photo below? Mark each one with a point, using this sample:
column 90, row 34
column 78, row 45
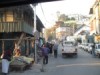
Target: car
column 85, row 46
column 69, row 49
column 90, row 48
column 80, row 46
column 97, row 50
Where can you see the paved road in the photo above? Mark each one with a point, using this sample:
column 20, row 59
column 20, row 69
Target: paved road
column 84, row 64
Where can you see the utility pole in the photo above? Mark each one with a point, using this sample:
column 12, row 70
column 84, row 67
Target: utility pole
column 35, row 32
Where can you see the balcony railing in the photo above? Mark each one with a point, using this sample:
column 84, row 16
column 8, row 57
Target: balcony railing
column 15, row 27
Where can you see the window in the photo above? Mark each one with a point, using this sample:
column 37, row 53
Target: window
column 9, row 16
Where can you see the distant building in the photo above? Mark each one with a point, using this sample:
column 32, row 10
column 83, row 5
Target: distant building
column 69, row 27
column 95, row 18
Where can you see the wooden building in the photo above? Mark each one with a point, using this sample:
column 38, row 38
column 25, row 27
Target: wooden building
column 16, row 28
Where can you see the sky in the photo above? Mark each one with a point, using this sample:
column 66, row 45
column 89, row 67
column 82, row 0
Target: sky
column 47, row 12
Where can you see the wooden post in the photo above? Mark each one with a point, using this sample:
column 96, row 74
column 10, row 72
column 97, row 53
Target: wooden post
column 27, row 50
column 2, row 45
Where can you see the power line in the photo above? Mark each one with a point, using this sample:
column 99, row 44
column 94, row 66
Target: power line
column 44, row 14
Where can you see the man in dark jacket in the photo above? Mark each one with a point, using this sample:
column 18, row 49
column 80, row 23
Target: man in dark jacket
column 93, row 49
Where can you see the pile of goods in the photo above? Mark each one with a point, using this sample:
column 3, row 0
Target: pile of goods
column 21, row 62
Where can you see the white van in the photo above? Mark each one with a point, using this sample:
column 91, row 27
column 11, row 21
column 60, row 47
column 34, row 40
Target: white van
column 69, row 49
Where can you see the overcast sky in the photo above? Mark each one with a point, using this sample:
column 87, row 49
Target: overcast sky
column 47, row 12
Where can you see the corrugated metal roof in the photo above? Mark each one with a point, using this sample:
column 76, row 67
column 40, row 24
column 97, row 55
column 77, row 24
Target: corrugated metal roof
column 6, row 3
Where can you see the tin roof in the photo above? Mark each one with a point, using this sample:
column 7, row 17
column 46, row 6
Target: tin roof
column 6, row 3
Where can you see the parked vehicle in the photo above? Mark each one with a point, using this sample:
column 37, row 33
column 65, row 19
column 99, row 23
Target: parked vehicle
column 79, row 45
column 90, row 48
column 82, row 46
column 69, row 49
column 97, row 50
column 86, row 46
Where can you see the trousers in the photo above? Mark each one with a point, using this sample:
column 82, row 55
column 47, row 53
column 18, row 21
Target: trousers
column 45, row 59
column 55, row 53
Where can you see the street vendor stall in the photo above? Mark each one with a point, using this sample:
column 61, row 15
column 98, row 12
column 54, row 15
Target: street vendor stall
column 21, row 63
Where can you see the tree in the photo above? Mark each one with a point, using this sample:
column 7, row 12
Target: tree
column 72, row 18
column 63, row 18
column 50, row 34
column 50, row 38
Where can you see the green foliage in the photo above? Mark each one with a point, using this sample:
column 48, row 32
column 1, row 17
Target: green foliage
column 72, row 18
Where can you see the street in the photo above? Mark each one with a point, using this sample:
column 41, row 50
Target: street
column 84, row 64
column 27, row 27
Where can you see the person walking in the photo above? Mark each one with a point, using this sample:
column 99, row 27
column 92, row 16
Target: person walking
column 50, row 47
column 93, row 50
column 6, row 58
column 45, row 52
column 55, row 49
